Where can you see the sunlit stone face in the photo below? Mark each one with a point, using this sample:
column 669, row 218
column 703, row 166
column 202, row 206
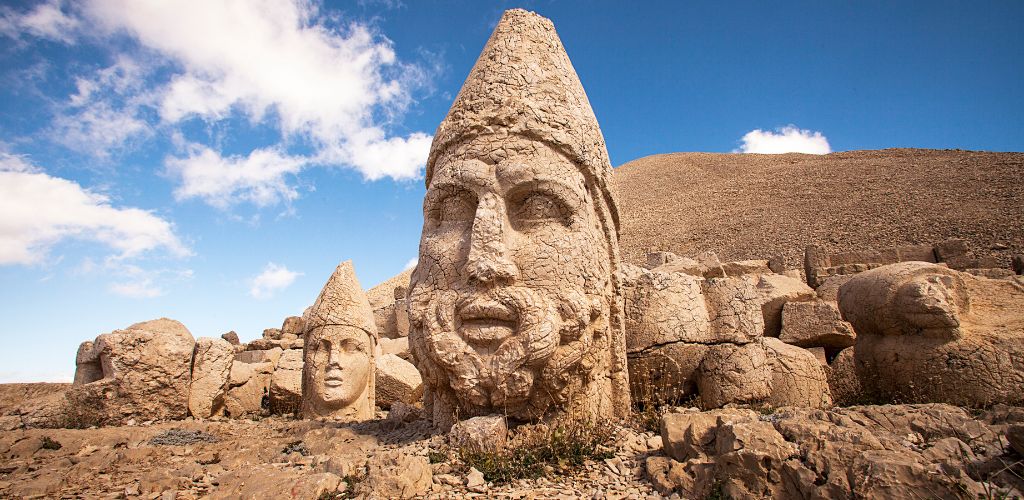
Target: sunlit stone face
column 338, row 364
column 509, row 301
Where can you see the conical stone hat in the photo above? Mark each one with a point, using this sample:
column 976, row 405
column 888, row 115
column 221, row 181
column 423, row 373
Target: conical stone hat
column 342, row 302
column 524, row 84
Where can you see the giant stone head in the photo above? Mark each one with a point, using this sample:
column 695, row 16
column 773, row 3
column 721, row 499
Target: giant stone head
column 515, row 303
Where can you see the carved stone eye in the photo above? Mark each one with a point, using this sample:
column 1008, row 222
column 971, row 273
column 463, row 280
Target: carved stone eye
column 457, row 207
column 539, row 207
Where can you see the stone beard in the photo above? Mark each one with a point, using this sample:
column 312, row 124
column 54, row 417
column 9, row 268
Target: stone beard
column 337, row 373
column 512, row 302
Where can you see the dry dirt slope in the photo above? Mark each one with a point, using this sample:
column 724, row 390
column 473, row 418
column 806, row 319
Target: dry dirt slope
column 754, row 206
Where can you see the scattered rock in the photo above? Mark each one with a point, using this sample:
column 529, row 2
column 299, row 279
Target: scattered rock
column 397, row 380
column 211, row 365
column 486, row 433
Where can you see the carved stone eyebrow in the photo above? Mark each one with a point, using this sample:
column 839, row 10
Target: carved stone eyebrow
column 450, row 174
column 565, row 193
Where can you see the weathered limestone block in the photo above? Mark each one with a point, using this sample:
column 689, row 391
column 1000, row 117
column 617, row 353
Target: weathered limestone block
column 248, row 388
column 705, row 265
column 688, row 435
column 260, row 355
column 211, row 365
column 829, row 288
column 658, row 259
column 950, row 249
column 486, row 433
column 146, row 374
column 766, row 371
column 514, row 303
column 842, row 379
column 798, row 378
column 774, row 291
column 733, row 309
column 745, row 267
column 87, row 365
column 926, row 333
column 399, row 347
column 340, row 351
column 231, row 337
column 731, row 373
column 272, row 334
column 663, row 308
column 293, row 325
column 916, row 253
column 819, row 354
column 397, row 475
column 397, row 380
column 815, row 324
column 286, row 383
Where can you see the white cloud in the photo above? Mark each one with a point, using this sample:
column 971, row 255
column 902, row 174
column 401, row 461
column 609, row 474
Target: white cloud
column 788, row 139
column 260, row 178
column 105, row 112
column 411, row 264
column 138, row 283
column 38, row 210
column 46, row 20
column 276, row 62
column 273, row 279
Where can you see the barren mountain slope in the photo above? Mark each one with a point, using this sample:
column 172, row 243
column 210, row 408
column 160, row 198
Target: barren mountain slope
column 744, row 206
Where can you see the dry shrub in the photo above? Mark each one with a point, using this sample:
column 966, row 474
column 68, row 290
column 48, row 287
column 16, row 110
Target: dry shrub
column 539, row 450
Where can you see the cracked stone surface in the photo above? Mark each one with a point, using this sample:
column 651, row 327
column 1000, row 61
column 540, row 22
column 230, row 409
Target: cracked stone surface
column 515, row 303
column 211, row 365
column 340, row 351
column 926, row 333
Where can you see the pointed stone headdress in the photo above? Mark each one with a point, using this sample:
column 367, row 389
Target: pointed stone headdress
column 342, row 302
column 524, row 84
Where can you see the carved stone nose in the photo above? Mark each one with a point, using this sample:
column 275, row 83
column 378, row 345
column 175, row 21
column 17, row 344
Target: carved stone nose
column 488, row 261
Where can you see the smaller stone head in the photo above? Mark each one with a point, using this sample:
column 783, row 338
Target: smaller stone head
column 339, row 363
column 340, row 351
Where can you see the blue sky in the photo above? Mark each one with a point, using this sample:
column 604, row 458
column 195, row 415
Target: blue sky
column 213, row 161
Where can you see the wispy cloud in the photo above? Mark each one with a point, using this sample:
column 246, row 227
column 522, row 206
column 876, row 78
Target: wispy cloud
column 273, row 279
column 411, row 264
column 260, row 178
column 38, row 210
column 46, row 20
column 788, row 139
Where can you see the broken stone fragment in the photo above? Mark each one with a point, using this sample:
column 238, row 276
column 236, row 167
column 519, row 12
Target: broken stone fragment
column 479, row 434
column 146, row 372
column 815, row 324
column 211, row 366
column 397, row 380
column 231, row 337
column 286, row 383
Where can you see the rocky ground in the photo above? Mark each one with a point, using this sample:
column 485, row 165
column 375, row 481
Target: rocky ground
column 931, row 451
column 750, row 206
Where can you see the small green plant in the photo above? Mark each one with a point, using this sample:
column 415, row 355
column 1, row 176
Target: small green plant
column 437, row 457
column 49, row 444
column 540, row 450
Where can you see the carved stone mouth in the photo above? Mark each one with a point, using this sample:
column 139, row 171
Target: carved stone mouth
column 484, row 323
column 333, row 379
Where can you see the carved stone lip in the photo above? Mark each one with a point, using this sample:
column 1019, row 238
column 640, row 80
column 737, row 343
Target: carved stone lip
column 485, row 310
column 333, row 378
